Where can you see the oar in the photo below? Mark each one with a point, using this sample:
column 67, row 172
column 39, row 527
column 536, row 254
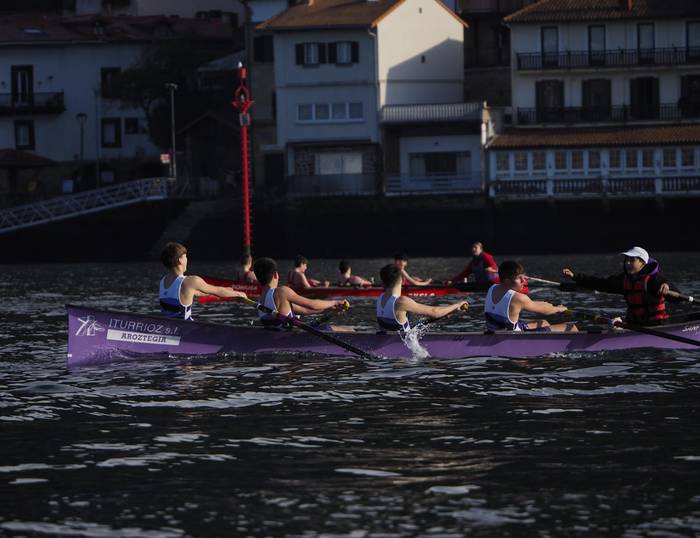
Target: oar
column 603, row 320
column 325, row 318
column 563, row 286
column 463, row 308
column 303, row 326
column 680, row 296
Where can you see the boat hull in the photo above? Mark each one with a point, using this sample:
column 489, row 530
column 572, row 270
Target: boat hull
column 99, row 336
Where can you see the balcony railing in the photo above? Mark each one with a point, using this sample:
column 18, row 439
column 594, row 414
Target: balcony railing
column 616, row 114
column 537, row 61
column 34, row 103
column 332, row 185
column 595, row 187
column 399, row 185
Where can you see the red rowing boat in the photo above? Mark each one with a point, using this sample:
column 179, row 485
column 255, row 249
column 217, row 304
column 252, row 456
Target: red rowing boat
column 436, row 290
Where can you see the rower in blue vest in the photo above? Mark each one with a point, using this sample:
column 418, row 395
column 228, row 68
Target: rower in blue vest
column 505, row 302
column 284, row 300
column 177, row 291
column 393, row 308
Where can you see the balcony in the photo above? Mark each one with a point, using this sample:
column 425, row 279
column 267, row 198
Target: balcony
column 331, row 185
column 35, row 103
column 404, row 185
column 537, row 61
column 594, row 188
column 612, row 114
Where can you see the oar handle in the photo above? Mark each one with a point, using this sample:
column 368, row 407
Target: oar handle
column 680, row 296
column 543, row 281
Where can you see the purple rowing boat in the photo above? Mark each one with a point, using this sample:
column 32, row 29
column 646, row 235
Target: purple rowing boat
column 100, row 336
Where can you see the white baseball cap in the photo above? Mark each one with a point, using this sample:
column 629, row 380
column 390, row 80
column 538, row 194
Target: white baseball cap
column 637, row 252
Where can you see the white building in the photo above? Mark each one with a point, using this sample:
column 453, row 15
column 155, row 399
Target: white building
column 347, row 74
column 55, row 82
column 605, row 100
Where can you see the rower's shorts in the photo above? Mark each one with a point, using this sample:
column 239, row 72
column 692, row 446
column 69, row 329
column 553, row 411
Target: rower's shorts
column 523, row 326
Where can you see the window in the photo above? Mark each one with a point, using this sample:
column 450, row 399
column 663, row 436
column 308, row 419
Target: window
column 310, row 54
column 560, row 162
column 577, row 160
column 539, row 159
column 645, row 42
column 440, row 164
column 594, row 159
column 502, row 161
column 631, row 160
column 669, row 157
column 647, row 158
column 322, row 112
column 688, row 157
column 550, row 100
column 693, row 39
column 108, row 78
column 339, row 111
column 690, row 96
column 305, row 112
column 355, row 111
column 263, row 50
column 111, row 133
column 596, row 99
column 520, row 161
column 596, row 44
column 614, row 159
column 550, row 46
column 24, row 134
column 134, row 126
column 644, row 96
column 343, row 52
column 22, row 85
column 338, row 163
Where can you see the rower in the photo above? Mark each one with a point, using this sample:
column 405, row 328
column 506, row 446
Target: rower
column 401, row 261
column 297, row 278
column 177, row 291
column 346, row 277
column 393, row 308
column 245, row 273
column 482, row 266
column 641, row 282
column 505, row 301
column 283, row 299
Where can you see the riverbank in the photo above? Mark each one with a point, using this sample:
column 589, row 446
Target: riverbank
column 362, row 227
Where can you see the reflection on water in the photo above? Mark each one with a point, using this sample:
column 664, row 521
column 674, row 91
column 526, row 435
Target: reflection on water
column 309, row 446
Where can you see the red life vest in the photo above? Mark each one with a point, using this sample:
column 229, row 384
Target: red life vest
column 643, row 306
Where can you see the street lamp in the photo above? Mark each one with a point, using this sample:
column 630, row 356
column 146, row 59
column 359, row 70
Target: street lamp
column 242, row 102
column 81, row 118
column 171, row 86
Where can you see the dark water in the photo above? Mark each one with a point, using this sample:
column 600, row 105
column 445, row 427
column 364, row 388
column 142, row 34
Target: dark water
column 309, row 446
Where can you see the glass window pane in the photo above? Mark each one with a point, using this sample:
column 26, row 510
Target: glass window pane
column 339, row 111
column 343, row 53
column 560, row 160
column 305, row 112
column 520, row 161
column 577, row 160
column 631, row 160
column 355, row 110
column 322, row 111
column 614, row 159
column 669, row 157
column 647, row 158
column 539, row 160
column 688, row 157
column 594, row 160
column 502, row 164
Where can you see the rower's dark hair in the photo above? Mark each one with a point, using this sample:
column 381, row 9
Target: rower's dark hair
column 343, row 266
column 401, row 256
column 264, row 269
column 390, row 274
column 171, row 254
column 299, row 260
column 510, row 269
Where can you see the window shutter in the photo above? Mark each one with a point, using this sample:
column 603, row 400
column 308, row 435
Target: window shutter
column 655, row 92
column 299, row 48
column 685, row 87
column 355, row 46
column 634, row 93
column 586, row 94
column 321, row 53
column 332, row 53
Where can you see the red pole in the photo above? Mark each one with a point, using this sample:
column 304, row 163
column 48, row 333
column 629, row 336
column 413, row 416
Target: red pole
column 242, row 102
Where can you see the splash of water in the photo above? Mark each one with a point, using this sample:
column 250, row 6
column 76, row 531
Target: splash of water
column 412, row 338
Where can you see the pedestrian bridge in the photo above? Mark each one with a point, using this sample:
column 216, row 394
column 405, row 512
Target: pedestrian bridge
column 84, row 203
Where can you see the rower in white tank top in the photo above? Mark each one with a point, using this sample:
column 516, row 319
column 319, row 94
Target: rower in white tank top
column 386, row 315
column 271, row 320
column 170, row 304
column 498, row 314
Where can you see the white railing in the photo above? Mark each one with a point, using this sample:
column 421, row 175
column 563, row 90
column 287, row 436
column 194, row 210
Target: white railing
column 595, row 187
column 73, row 205
column 399, row 185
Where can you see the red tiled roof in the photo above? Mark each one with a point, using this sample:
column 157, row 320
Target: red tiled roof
column 597, row 137
column 586, row 10
column 336, row 14
column 37, row 29
column 14, row 157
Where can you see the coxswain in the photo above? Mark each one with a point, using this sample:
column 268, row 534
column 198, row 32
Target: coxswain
column 283, row 299
column 505, row 302
column 177, row 291
column 245, row 273
column 401, row 261
column 346, row 278
column 482, row 266
column 393, row 308
column 297, row 278
column 641, row 283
